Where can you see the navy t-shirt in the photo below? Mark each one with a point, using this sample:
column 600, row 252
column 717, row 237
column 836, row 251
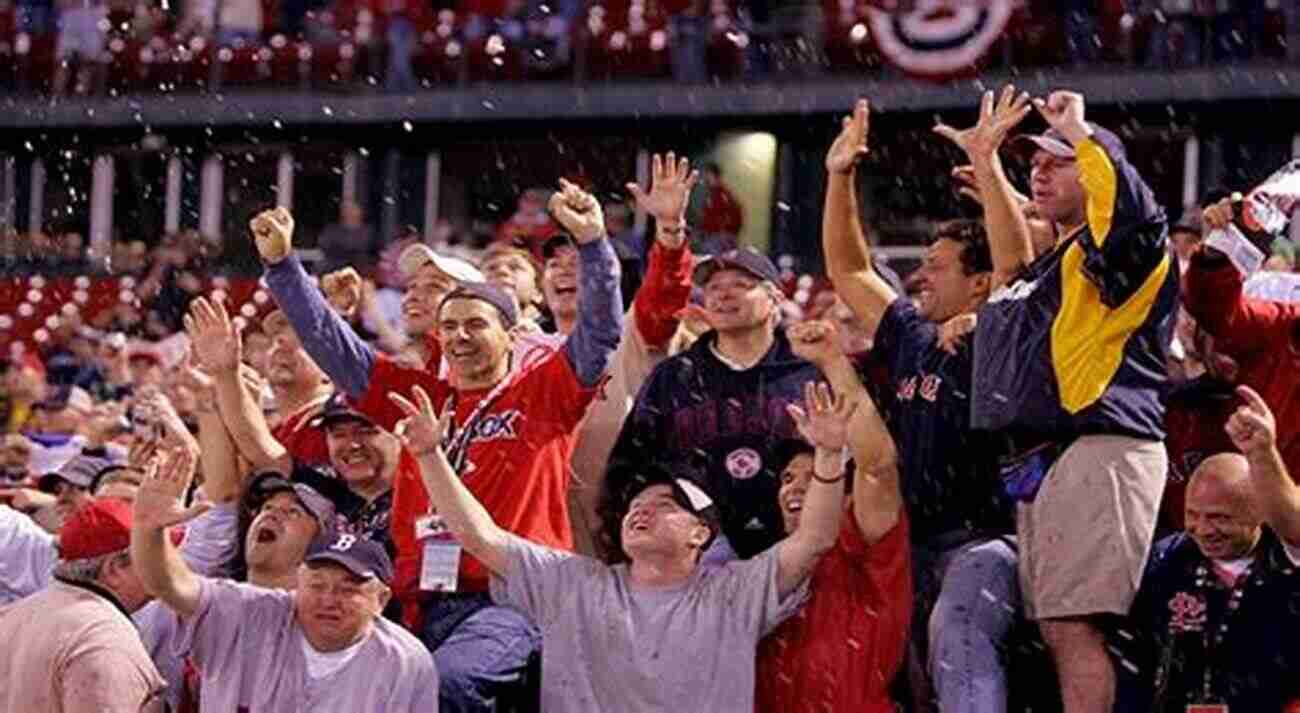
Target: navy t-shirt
column 948, row 472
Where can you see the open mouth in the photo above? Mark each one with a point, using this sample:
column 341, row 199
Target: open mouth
column 355, row 458
column 266, row 536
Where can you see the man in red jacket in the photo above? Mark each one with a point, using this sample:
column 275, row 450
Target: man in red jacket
column 1262, row 336
column 515, row 431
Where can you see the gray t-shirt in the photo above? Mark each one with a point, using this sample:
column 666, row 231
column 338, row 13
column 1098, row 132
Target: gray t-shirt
column 246, row 644
column 609, row 647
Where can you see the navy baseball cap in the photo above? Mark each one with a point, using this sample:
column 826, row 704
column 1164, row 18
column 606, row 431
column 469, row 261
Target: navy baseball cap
column 361, row 556
column 336, row 410
column 691, row 495
column 266, row 485
column 745, row 259
column 81, row 471
column 554, row 243
column 486, row 293
column 1055, row 143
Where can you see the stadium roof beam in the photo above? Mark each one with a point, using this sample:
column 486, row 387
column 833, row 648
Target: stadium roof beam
column 517, row 102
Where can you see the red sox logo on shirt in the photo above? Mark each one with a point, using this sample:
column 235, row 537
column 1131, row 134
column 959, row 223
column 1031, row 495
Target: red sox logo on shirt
column 928, row 387
column 497, row 426
column 1187, row 613
column 744, row 463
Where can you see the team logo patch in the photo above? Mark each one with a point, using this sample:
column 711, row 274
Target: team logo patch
column 938, row 38
column 1187, row 613
column 744, row 463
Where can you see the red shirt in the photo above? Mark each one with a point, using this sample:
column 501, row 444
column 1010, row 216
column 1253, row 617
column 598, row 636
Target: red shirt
column 1195, row 415
column 721, row 213
column 1263, row 337
column 842, row 651
column 518, row 461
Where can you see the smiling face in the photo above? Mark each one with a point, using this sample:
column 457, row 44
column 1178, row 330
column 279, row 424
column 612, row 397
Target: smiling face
column 278, row 538
column 1055, row 188
column 425, row 290
column 656, row 524
column 363, row 455
column 1218, row 513
column 738, row 301
column 560, row 281
column 474, row 340
column 945, row 289
column 335, row 607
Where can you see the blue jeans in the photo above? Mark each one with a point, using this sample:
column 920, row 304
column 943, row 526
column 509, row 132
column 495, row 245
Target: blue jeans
column 968, row 603
column 481, row 651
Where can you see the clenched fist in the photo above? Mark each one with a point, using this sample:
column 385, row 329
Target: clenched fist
column 579, row 212
column 273, row 233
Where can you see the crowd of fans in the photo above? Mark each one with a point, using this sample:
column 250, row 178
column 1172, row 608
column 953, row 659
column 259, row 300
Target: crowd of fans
column 1054, row 474
column 112, row 46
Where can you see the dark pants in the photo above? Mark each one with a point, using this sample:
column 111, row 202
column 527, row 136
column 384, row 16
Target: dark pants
column 482, row 651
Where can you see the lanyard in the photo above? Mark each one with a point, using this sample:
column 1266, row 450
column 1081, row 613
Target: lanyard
column 1213, row 642
column 459, row 438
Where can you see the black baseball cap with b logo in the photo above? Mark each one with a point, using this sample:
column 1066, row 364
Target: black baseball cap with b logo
column 361, row 556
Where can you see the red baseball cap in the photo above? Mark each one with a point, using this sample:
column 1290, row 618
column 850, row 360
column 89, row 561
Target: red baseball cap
column 100, row 528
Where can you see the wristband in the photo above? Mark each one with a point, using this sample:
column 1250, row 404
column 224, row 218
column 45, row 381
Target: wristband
column 827, row 481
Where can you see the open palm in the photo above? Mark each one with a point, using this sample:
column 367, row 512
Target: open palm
column 671, row 183
column 824, row 418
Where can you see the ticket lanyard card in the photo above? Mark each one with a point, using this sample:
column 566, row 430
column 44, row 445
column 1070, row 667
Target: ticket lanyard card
column 1207, row 708
column 440, row 565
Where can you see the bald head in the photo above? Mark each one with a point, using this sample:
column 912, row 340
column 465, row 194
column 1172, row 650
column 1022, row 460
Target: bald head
column 1220, row 514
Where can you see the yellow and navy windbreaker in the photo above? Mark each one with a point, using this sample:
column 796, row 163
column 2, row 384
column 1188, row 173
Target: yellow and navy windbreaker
column 1077, row 344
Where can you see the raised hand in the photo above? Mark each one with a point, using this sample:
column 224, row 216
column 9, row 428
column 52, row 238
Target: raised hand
column 579, row 212
column 695, row 319
column 273, row 234
column 952, row 332
column 159, row 501
column 671, row 183
column 343, row 289
column 213, row 338
column 175, row 434
column 824, row 418
column 423, row 430
column 815, row 340
column 1252, row 428
column 1064, row 112
column 982, row 141
column 851, row 145
column 1220, row 215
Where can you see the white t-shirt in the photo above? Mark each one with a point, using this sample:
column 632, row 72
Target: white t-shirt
column 323, row 664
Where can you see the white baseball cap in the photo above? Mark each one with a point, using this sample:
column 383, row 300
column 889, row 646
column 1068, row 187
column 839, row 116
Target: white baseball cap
column 415, row 256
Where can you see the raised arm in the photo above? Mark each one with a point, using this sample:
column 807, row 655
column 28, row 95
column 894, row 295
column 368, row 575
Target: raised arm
column 824, row 423
column 218, row 347
column 158, row 506
column 877, row 500
column 844, row 241
column 1009, row 237
column 667, row 285
column 328, row 339
column 600, row 295
column 422, row 431
column 1253, row 430
column 1128, row 243
column 217, row 458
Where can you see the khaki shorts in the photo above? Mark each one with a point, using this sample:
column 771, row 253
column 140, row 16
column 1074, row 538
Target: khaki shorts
column 1085, row 538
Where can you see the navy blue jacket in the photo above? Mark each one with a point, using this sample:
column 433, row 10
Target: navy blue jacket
column 1178, row 610
column 696, row 411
